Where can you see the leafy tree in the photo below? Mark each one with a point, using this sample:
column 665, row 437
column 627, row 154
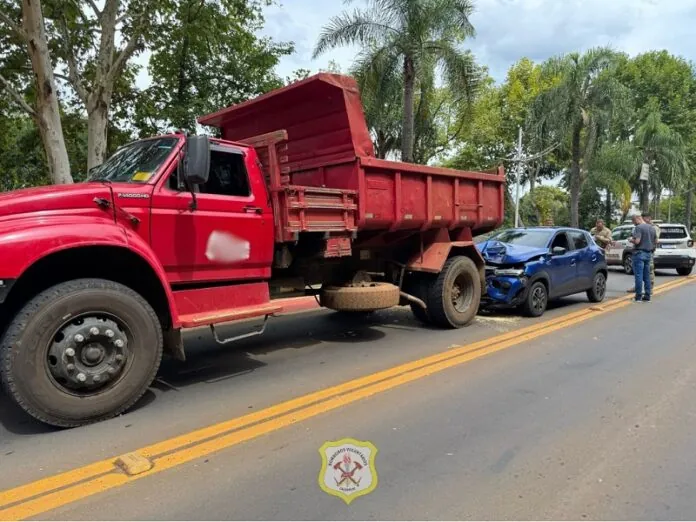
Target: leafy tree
column 581, row 105
column 548, row 204
column 206, row 55
column 26, row 41
column 409, row 36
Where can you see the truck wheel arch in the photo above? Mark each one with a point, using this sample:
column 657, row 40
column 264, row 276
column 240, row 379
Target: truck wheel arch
column 120, row 263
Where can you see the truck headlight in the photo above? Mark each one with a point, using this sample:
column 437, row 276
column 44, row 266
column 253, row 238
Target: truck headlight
column 510, row 272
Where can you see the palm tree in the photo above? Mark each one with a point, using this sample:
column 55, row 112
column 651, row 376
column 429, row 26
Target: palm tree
column 581, row 106
column 380, row 87
column 654, row 143
column 407, row 36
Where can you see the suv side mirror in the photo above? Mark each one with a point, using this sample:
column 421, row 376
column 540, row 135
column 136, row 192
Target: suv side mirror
column 558, row 251
column 197, row 160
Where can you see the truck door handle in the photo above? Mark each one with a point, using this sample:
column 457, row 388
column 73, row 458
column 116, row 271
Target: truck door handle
column 256, row 210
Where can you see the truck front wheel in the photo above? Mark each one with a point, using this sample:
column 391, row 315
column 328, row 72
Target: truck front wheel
column 454, row 296
column 80, row 352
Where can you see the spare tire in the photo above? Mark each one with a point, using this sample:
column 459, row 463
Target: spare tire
column 366, row 297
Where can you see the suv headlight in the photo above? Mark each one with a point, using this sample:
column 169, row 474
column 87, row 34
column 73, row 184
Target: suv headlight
column 513, row 272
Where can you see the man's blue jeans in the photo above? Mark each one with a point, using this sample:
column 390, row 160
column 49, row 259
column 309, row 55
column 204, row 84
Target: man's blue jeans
column 641, row 270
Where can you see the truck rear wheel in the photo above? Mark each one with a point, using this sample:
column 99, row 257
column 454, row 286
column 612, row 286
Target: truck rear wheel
column 360, row 298
column 454, row 296
column 80, row 352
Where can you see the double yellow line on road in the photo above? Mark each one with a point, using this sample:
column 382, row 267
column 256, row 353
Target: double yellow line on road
column 38, row 497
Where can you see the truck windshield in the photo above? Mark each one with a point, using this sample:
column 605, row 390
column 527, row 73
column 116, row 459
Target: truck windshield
column 528, row 238
column 134, row 163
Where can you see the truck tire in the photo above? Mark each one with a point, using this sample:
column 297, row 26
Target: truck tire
column 454, row 296
column 684, row 270
column 364, row 298
column 80, row 352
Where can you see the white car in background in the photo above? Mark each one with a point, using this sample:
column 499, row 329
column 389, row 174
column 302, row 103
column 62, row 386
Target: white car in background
column 675, row 248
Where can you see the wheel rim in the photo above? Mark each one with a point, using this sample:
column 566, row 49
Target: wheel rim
column 538, row 299
column 462, row 293
column 600, row 286
column 89, row 354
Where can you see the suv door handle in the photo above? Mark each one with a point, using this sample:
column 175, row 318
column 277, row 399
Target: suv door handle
column 257, row 210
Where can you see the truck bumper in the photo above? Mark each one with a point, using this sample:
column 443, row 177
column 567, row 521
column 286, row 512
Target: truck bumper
column 505, row 290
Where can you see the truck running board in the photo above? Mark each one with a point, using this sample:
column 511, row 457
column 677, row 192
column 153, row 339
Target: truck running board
column 242, row 336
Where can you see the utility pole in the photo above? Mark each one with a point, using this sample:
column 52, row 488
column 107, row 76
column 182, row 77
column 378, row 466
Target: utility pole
column 519, row 175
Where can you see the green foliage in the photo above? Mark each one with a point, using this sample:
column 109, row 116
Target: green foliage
column 206, row 55
column 543, row 205
column 412, row 38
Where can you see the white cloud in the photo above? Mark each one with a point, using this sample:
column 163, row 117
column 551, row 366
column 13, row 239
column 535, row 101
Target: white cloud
column 508, row 30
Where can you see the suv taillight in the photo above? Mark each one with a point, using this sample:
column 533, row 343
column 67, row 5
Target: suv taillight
column 690, row 243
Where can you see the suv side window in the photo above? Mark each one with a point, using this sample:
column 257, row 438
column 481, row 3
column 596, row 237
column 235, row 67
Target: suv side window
column 561, row 240
column 228, row 175
column 579, row 240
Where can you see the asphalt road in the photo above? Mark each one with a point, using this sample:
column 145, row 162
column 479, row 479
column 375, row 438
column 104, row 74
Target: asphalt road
column 593, row 420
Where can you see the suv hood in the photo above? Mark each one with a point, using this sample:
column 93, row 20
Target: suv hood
column 51, row 198
column 499, row 253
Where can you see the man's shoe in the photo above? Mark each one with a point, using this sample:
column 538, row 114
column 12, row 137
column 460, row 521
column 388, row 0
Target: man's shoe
column 646, row 299
column 638, row 299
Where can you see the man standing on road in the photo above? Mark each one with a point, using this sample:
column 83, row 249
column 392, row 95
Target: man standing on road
column 648, row 219
column 601, row 234
column 644, row 240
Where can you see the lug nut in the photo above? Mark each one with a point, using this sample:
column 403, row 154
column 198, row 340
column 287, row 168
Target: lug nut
column 97, row 378
column 119, row 357
column 81, row 377
column 109, row 333
column 111, row 371
column 94, row 330
column 70, row 368
column 118, row 343
column 79, row 338
column 70, row 352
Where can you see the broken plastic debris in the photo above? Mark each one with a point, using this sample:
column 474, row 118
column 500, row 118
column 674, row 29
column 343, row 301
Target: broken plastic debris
column 224, row 247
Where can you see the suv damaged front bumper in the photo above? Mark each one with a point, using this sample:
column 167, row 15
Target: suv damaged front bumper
column 505, row 287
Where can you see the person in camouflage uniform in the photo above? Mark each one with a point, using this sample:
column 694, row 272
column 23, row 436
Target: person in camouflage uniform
column 648, row 219
column 601, row 234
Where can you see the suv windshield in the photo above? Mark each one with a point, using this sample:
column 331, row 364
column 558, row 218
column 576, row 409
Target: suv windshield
column 134, row 163
column 529, row 238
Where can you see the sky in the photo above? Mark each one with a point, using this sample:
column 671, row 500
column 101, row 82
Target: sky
column 508, row 30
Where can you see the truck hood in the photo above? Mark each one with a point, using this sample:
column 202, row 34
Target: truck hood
column 499, row 253
column 19, row 203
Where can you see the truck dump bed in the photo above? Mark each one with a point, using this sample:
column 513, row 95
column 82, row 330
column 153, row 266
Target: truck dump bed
column 319, row 162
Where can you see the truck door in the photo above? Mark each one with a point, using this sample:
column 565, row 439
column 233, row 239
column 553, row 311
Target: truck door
column 563, row 268
column 232, row 216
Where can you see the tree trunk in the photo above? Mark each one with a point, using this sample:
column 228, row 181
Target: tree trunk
column 689, row 202
column 97, row 127
column 533, row 173
column 47, row 110
column 607, row 215
column 407, row 136
column 574, row 181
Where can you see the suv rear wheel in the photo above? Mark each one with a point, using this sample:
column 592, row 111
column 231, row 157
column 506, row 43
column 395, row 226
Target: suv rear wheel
column 628, row 264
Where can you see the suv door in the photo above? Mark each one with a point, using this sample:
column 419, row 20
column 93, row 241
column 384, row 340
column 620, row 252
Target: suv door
column 562, row 268
column 615, row 250
column 232, row 213
column 586, row 259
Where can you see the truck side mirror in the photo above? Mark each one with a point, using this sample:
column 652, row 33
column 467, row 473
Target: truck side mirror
column 197, row 160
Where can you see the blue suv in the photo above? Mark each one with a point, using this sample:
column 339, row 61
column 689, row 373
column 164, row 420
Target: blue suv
column 527, row 267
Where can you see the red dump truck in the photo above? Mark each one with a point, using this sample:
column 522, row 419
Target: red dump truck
column 98, row 279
